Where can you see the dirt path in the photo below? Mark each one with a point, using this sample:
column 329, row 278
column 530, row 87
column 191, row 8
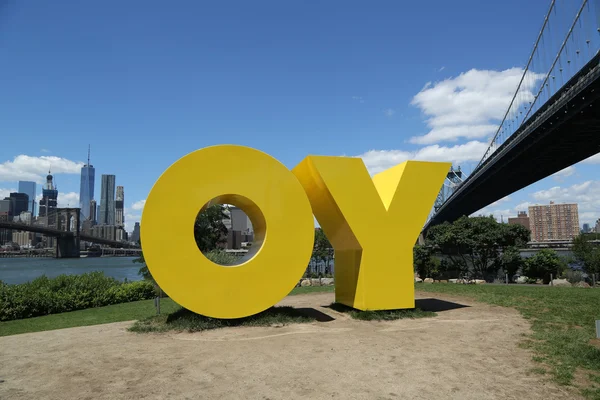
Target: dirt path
column 464, row 353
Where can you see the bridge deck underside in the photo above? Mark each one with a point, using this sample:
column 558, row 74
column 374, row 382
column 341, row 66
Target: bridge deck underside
column 569, row 135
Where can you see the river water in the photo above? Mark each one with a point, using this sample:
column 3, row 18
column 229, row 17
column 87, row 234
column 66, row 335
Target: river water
column 20, row 270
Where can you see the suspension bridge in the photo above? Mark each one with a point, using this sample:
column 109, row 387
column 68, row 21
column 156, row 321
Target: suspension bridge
column 552, row 121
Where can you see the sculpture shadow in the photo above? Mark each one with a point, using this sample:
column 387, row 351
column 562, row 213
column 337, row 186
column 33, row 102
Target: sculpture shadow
column 315, row 314
column 186, row 320
column 437, row 305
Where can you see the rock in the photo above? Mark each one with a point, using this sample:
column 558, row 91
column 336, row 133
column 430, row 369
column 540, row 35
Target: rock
column 539, row 282
column 428, row 280
column 443, row 281
column 326, row 281
column 305, row 282
column 582, row 285
column 436, row 281
column 453, row 280
column 479, row 281
column 560, row 283
column 522, row 279
column 417, row 275
column 315, row 282
column 418, row 280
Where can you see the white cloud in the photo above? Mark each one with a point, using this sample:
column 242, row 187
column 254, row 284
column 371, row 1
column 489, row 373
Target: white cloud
column 441, row 68
column 29, row 168
column 380, row 160
column 593, row 159
column 130, row 219
column 389, row 112
column 5, row 192
column 586, row 195
column 564, row 173
column 138, row 205
column 358, row 98
column 45, row 150
column 70, row 199
column 470, row 105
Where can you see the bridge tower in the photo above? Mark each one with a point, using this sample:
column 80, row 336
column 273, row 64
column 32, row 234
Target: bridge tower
column 453, row 179
column 68, row 220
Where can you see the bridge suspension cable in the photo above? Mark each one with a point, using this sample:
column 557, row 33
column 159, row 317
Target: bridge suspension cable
column 562, row 47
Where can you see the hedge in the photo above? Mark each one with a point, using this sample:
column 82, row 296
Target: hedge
column 44, row 296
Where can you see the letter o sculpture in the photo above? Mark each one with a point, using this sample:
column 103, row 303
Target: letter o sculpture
column 269, row 194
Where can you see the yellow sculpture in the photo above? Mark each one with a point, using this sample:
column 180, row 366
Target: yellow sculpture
column 268, row 193
column 372, row 224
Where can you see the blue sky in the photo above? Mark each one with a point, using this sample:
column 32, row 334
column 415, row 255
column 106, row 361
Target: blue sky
column 146, row 82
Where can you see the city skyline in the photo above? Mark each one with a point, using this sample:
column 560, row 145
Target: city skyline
column 348, row 86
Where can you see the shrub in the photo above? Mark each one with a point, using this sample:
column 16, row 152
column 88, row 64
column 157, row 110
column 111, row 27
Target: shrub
column 221, row 257
column 574, row 276
column 44, row 296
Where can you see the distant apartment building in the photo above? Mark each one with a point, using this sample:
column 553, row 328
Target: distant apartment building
column 597, row 229
column 553, row 222
column 29, row 188
column 521, row 219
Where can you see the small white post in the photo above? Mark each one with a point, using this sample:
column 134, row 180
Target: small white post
column 551, row 279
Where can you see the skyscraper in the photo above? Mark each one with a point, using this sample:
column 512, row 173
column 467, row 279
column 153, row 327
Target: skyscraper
column 28, row 188
column 86, row 189
column 93, row 211
column 49, row 198
column 135, row 235
column 107, row 200
column 119, row 216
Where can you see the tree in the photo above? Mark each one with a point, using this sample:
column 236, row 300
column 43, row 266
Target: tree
column 475, row 243
column 511, row 261
column 209, row 229
column 543, row 264
column 322, row 249
column 587, row 253
column 424, row 263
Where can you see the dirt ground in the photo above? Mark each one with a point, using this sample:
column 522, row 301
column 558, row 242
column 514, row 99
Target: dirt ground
column 464, row 353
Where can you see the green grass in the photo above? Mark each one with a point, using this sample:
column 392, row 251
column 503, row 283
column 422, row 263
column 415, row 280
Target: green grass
column 382, row 315
column 311, row 289
column 185, row 320
column 562, row 320
column 102, row 315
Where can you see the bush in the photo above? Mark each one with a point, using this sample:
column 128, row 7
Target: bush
column 44, row 296
column 544, row 264
column 221, row 257
column 574, row 276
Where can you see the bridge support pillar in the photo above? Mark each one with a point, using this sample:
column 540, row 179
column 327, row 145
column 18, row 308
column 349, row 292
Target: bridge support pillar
column 67, row 247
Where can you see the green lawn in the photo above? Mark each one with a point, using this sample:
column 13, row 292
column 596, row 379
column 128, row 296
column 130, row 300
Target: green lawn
column 563, row 323
column 103, row 315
